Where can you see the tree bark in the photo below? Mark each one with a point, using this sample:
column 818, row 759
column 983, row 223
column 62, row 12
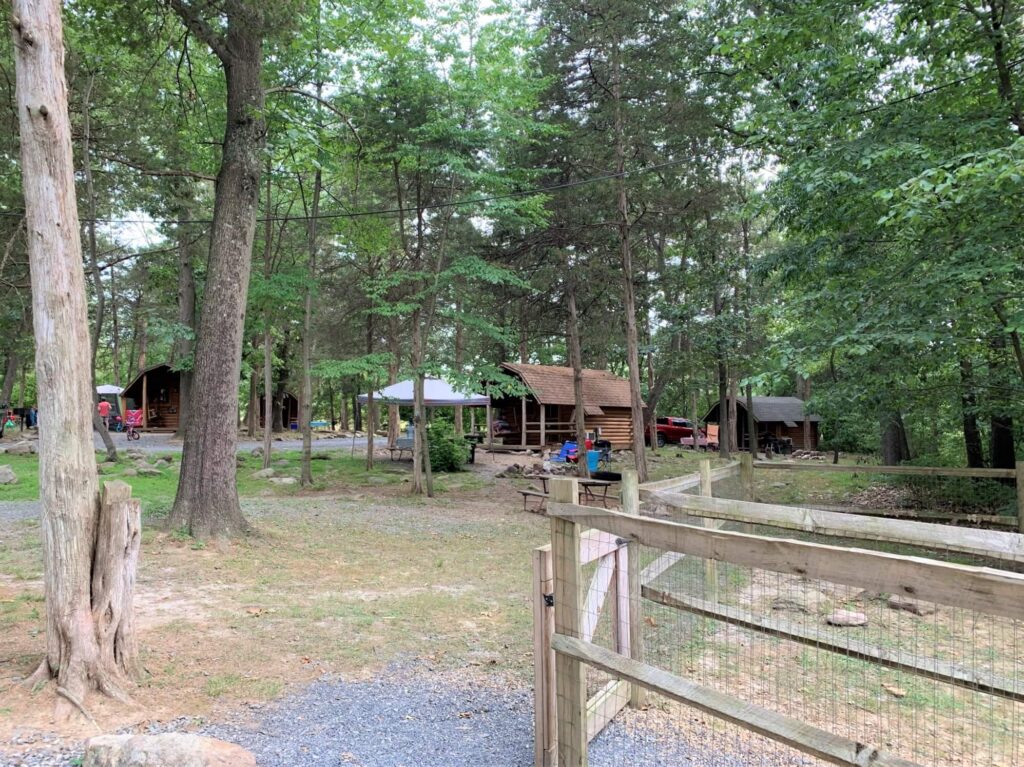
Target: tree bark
column 10, row 374
column 306, row 410
column 628, row 294
column 969, row 416
column 100, row 293
column 186, row 319
column 207, row 500
column 576, row 360
column 751, row 423
column 76, row 640
column 724, row 428
column 894, row 443
column 459, row 359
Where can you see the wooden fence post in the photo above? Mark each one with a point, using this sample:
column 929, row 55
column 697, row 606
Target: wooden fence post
column 1020, row 496
column 544, row 700
column 570, row 674
column 630, row 498
column 747, row 476
column 710, row 565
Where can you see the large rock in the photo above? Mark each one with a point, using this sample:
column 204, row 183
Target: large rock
column 909, row 605
column 284, row 481
column 148, row 471
column 135, row 454
column 256, row 452
column 167, row 750
column 847, row 618
column 7, row 475
column 263, row 474
column 21, row 448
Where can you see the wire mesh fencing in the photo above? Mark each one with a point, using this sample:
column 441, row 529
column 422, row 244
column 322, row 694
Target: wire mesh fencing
column 896, row 636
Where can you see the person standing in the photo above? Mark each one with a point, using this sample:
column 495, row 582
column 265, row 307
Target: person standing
column 104, row 410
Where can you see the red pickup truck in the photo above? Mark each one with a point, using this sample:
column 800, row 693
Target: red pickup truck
column 671, row 430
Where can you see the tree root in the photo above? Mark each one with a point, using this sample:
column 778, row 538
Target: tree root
column 78, row 704
column 41, row 674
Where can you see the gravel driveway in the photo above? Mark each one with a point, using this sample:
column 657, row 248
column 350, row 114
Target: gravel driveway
column 410, row 719
column 15, row 511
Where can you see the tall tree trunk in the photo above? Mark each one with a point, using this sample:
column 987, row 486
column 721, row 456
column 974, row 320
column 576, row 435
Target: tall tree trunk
column 459, row 359
column 751, row 423
column 80, row 653
column 576, row 360
column 306, row 472
column 969, row 416
column 343, row 403
column 394, row 348
column 807, row 416
column 1001, row 440
column 251, row 414
column 97, row 278
column 734, row 426
column 724, row 427
column 115, row 351
column 371, row 411
column 628, row 295
column 894, row 441
column 10, row 374
column 207, row 500
column 187, row 320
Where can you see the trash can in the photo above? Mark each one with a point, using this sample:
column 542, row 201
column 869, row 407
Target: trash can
column 593, row 460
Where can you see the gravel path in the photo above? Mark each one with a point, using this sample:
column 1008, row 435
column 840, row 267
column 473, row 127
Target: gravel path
column 412, row 720
column 15, row 511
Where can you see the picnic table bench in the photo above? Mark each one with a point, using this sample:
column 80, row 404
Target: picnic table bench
column 595, row 490
column 402, row 445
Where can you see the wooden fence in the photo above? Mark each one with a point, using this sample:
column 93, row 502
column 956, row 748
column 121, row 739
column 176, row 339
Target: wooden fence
column 567, row 720
column 938, row 472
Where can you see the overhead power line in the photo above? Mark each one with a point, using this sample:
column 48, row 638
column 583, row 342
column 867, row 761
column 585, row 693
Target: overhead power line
column 393, row 211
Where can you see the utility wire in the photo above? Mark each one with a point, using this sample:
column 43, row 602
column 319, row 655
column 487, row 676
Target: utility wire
column 394, row 211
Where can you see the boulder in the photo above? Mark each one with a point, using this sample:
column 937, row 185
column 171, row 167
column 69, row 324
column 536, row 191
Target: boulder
column 284, row 481
column 135, row 454
column 263, row 474
column 148, row 471
column 847, row 618
column 7, row 475
column 107, row 466
column 256, row 452
column 911, row 605
column 21, row 448
column 281, row 462
column 167, row 750
column 161, row 464
column 130, row 472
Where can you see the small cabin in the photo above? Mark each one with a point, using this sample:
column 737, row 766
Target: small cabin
column 156, row 391
column 289, row 405
column 778, row 417
column 547, row 415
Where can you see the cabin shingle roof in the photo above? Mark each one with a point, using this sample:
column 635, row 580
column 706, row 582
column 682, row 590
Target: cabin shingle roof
column 553, row 385
column 785, row 409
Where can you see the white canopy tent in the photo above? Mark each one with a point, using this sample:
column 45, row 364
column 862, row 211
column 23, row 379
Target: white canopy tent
column 109, row 389
column 436, row 393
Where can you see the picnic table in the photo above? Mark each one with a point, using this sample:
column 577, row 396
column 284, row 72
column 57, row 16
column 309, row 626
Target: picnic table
column 593, row 491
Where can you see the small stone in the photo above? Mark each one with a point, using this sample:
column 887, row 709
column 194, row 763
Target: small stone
column 256, row 452
column 281, row 462
column 263, row 473
column 135, row 454
column 130, row 472
column 167, row 750
column 894, row 691
column 148, row 471
column 7, row 475
column 911, row 605
column 21, row 448
column 778, row 485
column 284, row 481
column 162, row 464
column 322, row 455
column 847, row 618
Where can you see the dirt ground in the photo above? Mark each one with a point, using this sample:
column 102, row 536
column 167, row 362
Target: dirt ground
column 344, row 584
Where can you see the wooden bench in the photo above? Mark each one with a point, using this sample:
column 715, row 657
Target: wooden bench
column 401, row 446
column 531, row 493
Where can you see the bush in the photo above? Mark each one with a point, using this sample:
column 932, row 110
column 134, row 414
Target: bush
column 448, row 451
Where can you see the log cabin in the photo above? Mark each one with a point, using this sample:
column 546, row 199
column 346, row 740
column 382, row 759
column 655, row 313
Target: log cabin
column 548, row 412
column 156, row 391
column 289, row 405
column 778, row 417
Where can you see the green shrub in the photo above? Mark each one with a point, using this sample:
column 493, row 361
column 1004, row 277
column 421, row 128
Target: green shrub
column 448, row 451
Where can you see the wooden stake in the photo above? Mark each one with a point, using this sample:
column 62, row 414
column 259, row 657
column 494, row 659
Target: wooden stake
column 1020, row 496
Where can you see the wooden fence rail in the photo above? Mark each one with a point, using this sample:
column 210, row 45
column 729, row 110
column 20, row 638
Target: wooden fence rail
column 980, row 589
